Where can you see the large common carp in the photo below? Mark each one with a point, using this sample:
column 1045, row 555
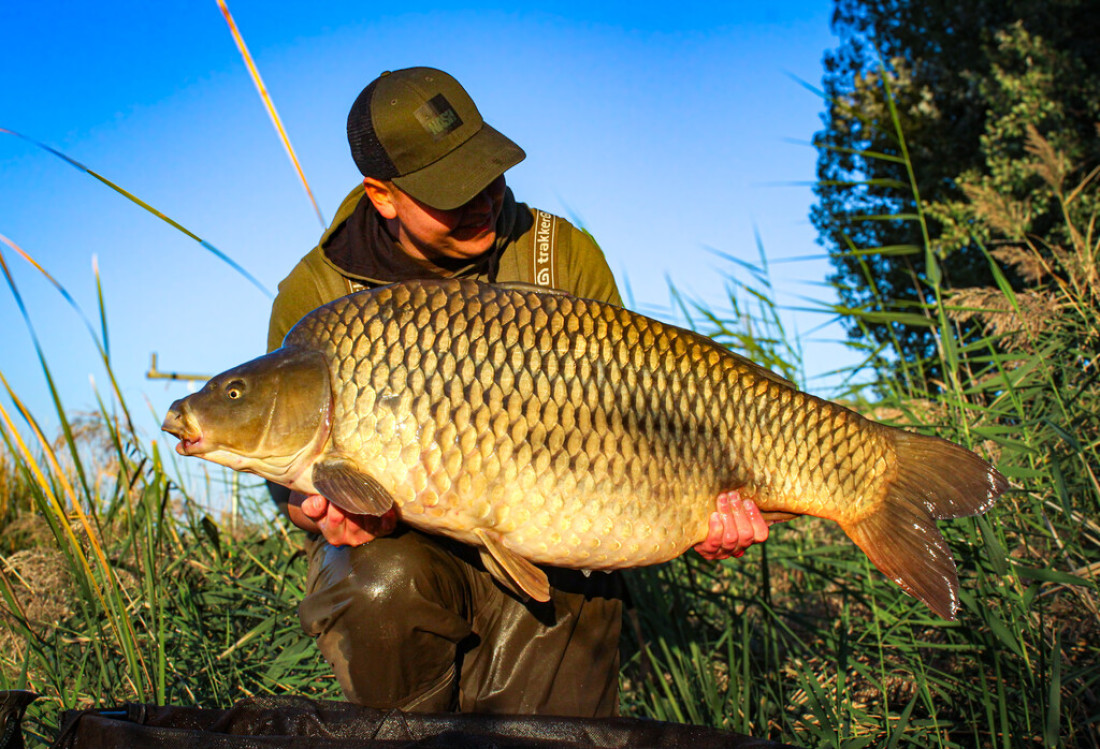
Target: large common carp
column 543, row 428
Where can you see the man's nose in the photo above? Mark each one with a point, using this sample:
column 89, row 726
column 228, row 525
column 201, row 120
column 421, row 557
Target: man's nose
column 483, row 201
column 488, row 195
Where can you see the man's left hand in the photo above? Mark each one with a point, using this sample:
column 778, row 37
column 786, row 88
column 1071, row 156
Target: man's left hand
column 735, row 526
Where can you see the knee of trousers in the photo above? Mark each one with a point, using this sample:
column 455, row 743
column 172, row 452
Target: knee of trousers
column 384, row 590
column 389, row 617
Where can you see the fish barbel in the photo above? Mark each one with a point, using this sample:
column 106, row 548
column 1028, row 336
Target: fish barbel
column 544, row 428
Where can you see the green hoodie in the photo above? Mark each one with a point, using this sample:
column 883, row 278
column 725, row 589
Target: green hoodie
column 356, row 253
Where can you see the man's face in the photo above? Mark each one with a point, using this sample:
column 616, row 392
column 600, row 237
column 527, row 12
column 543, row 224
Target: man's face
column 426, row 233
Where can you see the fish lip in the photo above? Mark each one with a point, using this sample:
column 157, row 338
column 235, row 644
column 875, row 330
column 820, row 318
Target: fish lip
column 179, row 424
column 190, row 446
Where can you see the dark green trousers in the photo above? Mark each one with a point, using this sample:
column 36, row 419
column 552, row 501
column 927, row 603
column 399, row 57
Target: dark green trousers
column 413, row 621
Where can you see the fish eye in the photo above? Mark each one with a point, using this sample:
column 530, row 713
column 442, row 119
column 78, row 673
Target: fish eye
column 235, row 389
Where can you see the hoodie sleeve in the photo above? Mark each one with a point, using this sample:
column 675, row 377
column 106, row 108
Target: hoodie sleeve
column 307, row 287
column 311, row 283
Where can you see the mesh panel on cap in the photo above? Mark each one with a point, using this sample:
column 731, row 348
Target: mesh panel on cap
column 369, row 155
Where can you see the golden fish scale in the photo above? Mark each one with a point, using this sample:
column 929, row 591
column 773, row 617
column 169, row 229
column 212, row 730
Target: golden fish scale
column 584, row 434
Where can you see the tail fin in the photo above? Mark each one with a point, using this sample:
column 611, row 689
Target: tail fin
column 936, row 479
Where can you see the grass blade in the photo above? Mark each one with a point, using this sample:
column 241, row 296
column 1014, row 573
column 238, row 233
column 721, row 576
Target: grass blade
column 269, row 105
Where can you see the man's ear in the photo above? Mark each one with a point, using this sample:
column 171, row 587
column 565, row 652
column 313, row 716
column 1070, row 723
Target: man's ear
column 381, row 195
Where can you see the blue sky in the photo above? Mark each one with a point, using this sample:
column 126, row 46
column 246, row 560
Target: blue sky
column 666, row 130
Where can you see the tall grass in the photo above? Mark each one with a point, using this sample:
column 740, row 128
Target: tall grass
column 116, row 587
column 802, row 641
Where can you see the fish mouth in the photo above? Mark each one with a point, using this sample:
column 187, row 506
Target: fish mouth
column 186, row 447
column 180, row 424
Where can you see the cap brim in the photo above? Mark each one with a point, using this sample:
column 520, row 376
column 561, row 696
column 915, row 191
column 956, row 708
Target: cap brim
column 463, row 173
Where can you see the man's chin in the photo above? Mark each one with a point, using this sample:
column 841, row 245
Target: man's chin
column 472, row 243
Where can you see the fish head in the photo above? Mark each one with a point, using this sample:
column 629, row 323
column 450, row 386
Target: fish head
column 270, row 416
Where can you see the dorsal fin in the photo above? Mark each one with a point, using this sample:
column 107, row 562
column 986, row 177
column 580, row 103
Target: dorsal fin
column 762, row 371
column 523, row 286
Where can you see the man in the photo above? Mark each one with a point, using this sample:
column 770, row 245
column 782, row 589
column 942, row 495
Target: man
column 409, row 620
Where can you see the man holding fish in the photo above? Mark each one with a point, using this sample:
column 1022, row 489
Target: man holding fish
column 410, row 620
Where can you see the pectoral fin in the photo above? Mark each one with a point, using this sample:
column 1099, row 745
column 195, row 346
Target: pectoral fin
column 342, row 482
column 518, row 575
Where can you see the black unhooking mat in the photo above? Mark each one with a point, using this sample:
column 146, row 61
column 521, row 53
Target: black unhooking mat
column 301, row 722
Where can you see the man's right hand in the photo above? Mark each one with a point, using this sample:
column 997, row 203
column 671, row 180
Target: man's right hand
column 315, row 514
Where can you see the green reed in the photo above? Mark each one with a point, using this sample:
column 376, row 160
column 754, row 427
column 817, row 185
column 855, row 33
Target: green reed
column 804, row 642
column 152, row 600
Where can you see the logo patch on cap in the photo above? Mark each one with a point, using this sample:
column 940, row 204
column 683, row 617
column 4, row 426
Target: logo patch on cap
column 438, row 116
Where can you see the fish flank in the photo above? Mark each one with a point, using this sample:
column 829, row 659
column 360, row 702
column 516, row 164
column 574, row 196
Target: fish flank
column 569, row 432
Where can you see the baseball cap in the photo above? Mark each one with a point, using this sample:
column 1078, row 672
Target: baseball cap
column 420, row 129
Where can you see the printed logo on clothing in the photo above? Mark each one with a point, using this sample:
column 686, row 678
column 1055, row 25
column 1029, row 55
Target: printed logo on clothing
column 438, row 116
column 545, row 229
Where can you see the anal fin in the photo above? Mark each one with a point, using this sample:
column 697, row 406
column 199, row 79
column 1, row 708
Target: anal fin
column 517, row 574
column 342, row 482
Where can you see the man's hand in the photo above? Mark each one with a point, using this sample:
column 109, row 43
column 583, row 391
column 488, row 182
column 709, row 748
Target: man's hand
column 734, row 527
column 317, row 515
